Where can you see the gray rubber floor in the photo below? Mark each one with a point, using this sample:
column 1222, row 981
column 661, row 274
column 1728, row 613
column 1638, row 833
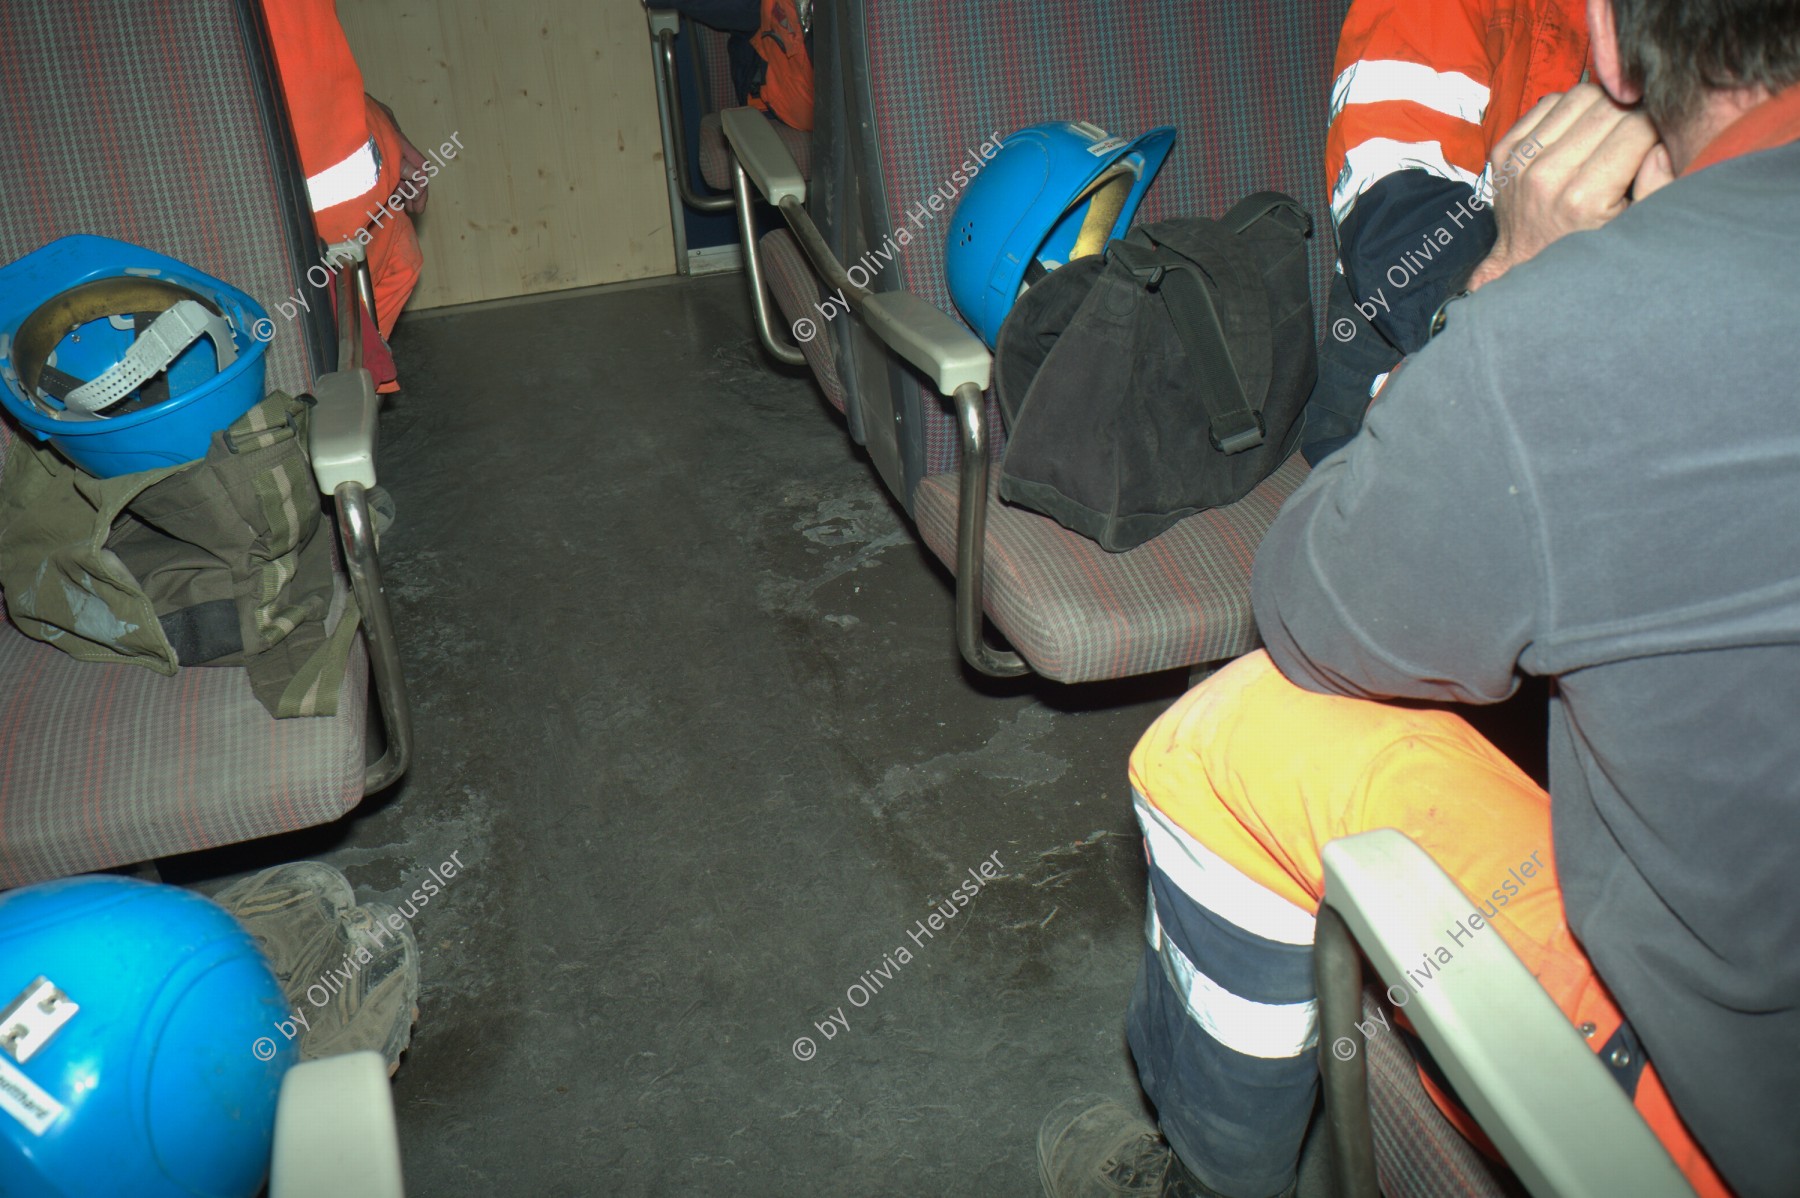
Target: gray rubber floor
column 691, row 716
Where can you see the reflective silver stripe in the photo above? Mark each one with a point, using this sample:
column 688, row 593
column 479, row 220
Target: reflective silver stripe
column 350, row 179
column 1216, row 884
column 1376, row 159
column 1379, row 80
column 1271, row 1031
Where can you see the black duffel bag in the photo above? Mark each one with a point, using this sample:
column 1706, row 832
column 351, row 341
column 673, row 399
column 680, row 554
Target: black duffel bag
column 1162, row 378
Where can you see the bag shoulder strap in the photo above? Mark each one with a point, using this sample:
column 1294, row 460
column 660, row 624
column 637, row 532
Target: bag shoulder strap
column 1233, row 386
column 1258, row 204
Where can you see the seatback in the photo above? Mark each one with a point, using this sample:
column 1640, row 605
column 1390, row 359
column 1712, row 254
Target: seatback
column 906, row 91
column 130, row 121
column 711, row 49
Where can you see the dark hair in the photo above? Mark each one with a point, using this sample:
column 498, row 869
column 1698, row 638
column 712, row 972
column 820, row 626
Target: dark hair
column 1678, row 50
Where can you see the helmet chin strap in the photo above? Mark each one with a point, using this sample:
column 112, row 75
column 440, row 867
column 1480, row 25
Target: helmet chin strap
column 152, row 353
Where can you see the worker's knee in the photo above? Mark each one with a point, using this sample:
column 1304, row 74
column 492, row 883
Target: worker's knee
column 1248, row 730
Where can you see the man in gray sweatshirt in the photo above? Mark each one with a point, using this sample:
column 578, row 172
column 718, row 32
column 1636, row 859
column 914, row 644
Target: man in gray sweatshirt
column 1592, row 475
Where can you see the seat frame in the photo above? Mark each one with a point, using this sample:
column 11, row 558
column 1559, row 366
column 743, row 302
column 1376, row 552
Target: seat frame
column 342, row 448
column 949, row 355
column 665, row 24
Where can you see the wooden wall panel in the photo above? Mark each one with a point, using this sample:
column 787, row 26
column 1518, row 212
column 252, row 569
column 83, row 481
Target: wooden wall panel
column 560, row 181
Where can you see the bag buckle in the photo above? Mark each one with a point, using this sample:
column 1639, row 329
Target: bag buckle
column 1246, row 431
column 1150, row 274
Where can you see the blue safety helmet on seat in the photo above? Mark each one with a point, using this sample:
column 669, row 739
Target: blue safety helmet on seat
column 140, row 1056
column 124, row 359
column 1052, row 193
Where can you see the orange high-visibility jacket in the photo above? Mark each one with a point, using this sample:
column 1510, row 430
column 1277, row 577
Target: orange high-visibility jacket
column 350, row 152
column 352, row 162
column 1432, row 84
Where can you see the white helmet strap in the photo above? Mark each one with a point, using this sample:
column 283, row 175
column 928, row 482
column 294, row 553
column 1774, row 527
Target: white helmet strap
column 152, row 353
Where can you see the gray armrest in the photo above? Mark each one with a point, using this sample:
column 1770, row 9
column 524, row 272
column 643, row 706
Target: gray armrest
column 948, row 353
column 334, row 1131
column 763, row 157
column 663, row 20
column 1528, row 1078
column 343, row 429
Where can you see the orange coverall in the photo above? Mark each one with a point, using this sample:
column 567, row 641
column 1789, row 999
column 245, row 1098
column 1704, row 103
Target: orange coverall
column 350, row 151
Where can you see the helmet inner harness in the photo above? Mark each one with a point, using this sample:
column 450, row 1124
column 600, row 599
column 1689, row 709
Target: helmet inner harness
column 166, row 318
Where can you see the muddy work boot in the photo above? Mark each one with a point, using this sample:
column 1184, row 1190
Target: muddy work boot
column 1095, row 1148
column 350, row 972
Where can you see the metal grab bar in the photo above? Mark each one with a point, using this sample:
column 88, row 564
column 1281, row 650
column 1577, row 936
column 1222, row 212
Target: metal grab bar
column 363, row 565
column 344, row 433
column 779, row 347
column 971, row 539
column 690, row 195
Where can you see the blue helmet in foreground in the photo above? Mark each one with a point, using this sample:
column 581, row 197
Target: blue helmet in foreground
column 1052, row 193
column 132, row 1059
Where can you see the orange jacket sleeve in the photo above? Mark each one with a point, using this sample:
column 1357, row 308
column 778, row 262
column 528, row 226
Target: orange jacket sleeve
column 1432, row 84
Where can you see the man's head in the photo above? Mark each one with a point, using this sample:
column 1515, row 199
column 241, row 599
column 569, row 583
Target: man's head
column 1695, row 64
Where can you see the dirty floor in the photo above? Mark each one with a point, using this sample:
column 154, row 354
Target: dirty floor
column 691, row 716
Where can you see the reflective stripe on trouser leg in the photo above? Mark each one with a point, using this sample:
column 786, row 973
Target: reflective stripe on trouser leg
column 1224, row 1019
column 1265, row 773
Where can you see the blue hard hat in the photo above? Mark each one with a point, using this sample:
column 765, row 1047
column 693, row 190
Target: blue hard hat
column 131, row 1061
column 1052, row 193
column 124, row 359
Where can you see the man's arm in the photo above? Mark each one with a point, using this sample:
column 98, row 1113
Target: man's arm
column 1408, row 565
column 1404, row 150
column 1409, row 244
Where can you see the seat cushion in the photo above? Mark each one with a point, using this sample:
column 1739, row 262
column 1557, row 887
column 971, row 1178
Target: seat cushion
column 1078, row 613
column 797, row 293
column 715, row 159
column 104, row 765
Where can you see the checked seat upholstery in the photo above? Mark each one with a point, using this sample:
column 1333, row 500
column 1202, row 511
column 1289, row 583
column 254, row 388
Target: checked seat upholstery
column 715, row 80
column 176, row 141
column 1418, row 1152
column 1247, row 87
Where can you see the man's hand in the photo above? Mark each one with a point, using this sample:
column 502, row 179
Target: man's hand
column 1591, row 159
column 411, row 160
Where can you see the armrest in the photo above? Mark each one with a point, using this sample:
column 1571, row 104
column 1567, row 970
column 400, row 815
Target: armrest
column 1527, row 1077
column 948, row 353
column 763, row 157
column 343, row 429
column 335, row 1131
column 342, row 443
column 663, row 20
